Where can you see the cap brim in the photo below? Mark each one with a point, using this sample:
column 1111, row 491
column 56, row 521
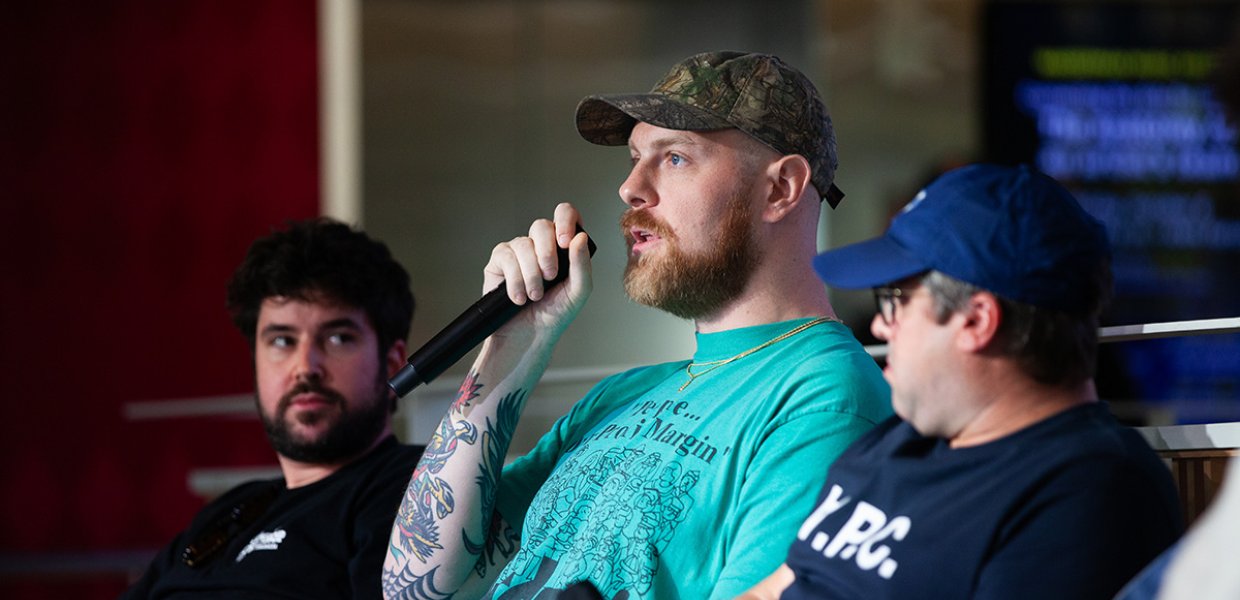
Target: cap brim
column 608, row 120
column 868, row 264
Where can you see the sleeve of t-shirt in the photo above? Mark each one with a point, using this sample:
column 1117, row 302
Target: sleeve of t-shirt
column 784, row 478
column 169, row 557
column 1089, row 531
column 522, row 478
column 162, row 562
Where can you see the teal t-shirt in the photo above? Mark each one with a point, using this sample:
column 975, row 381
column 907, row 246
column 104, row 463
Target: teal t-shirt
column 664, row 492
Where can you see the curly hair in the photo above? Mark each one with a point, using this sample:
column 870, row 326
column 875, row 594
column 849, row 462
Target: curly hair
column 323, row 259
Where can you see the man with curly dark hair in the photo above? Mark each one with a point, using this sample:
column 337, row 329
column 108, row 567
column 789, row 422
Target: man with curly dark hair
column 326, row 311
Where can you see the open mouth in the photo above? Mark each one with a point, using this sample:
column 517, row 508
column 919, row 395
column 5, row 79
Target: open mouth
column 641, row 239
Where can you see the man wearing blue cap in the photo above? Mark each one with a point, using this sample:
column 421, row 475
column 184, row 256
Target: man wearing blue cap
column 1002, row 475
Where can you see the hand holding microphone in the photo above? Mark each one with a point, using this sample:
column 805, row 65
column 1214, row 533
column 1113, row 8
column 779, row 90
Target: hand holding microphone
column 469, row 329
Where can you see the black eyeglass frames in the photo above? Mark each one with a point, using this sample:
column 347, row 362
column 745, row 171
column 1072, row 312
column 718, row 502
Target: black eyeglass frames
column 885, row 300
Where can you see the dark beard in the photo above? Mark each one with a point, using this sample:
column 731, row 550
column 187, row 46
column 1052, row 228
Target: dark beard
column 692, row 286
column 353, row 432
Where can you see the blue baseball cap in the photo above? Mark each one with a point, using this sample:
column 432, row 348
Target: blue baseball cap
column 1009, row 230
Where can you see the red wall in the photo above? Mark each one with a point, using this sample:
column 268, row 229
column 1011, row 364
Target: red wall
column 145, row 144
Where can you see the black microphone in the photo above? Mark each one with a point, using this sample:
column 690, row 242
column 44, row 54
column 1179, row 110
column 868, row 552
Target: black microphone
column 478, row 322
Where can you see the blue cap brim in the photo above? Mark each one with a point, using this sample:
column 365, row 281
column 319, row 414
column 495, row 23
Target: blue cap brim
column 868, row 264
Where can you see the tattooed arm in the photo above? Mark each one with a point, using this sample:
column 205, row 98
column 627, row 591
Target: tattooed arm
column 447, row 539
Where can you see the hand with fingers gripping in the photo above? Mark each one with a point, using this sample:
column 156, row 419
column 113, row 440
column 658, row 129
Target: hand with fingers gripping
column 524, row 264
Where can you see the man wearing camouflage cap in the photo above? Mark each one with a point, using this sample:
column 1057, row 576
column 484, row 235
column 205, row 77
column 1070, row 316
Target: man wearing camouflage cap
column 677, row 480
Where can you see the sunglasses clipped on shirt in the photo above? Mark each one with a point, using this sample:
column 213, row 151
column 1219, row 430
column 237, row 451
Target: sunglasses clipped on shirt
column 216, row 536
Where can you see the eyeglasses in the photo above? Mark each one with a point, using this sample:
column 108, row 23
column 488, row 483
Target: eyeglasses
column 886, row 298
column 215, row 537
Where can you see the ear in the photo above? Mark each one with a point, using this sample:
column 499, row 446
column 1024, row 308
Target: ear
column 789, row 177
column 395, row 361
column 395, row 358
column 980, row 322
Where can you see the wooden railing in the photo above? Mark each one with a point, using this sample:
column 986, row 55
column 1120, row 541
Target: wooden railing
column 1198, row 456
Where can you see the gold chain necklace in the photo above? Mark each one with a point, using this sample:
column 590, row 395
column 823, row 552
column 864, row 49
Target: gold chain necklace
column 715, row 364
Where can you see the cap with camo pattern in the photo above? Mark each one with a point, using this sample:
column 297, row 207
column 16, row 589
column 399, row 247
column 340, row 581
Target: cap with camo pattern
column 758, row 94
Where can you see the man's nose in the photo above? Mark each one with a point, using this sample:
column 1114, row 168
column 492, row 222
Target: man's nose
column 880, row 328
column 309, row 364
column 636, row 190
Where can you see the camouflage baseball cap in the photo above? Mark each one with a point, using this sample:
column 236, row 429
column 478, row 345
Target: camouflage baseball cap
column 756, row 93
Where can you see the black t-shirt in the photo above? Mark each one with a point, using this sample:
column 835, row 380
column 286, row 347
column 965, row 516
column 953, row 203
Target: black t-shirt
column 323, row 540
column 1071, row 507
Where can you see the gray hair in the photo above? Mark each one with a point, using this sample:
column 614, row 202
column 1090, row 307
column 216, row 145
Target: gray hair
column 1052, row 347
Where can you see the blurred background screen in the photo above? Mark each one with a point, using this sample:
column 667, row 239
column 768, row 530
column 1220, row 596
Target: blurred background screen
column 1116, row 100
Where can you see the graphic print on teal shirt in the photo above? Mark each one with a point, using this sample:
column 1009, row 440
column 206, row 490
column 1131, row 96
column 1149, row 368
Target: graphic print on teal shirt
column 653, row 492
column 622, row 517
